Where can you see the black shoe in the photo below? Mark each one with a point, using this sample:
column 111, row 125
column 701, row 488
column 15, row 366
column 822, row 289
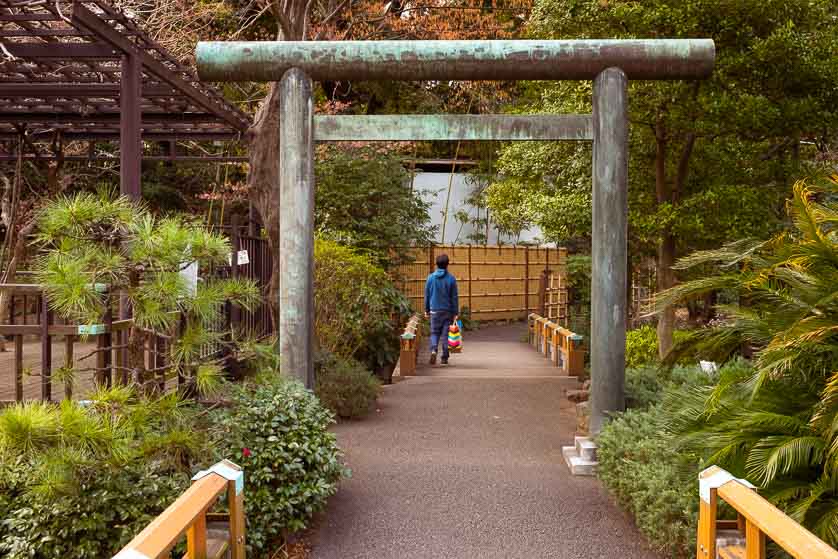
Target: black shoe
column 433, row 358
column 444, row 360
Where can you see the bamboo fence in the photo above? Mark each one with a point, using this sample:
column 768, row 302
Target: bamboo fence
column 495, row 282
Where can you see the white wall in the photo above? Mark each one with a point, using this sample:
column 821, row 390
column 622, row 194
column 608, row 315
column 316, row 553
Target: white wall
column 434, row 188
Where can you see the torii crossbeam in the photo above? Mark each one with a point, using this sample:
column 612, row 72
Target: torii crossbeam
column 609, row 63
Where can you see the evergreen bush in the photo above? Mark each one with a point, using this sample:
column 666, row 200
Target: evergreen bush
column 279, row 433
column 655, row 484
column 345, row 386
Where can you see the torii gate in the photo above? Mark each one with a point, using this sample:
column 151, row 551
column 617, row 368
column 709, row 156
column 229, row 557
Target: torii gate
column 610, row 63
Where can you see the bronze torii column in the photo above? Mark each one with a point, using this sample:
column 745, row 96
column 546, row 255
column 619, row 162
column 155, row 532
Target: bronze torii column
column 610, row 63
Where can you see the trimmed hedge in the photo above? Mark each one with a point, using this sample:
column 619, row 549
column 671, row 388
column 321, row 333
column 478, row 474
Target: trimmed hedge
column 657, row 485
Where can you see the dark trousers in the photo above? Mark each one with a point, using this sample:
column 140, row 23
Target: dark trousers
column 440, row 321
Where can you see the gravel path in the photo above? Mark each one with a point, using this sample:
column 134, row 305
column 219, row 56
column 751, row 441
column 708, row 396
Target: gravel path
column 465, row 462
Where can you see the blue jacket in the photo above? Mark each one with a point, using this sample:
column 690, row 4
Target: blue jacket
column 441, row 292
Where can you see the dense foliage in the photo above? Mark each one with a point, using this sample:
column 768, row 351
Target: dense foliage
column 774, row 424
column 355, row 305
column 345, row 386
column 110, row 466
column 640, row 466
column 82, row 480
column 727, row 144
column 642, row 347
column 365, row 200
column 279, row 433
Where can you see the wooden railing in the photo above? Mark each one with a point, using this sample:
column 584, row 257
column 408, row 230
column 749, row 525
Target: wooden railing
column 757, row 520
column 30, row 316
column 565, row 349
column 188, row 516
column 409, row 346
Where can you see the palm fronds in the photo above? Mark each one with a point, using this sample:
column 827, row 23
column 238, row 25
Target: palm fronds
column 777, row 423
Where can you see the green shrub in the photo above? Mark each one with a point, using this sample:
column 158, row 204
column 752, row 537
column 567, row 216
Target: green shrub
column 354, row 305
column 361, row 201
column 81, row 481
column 108, row 509
column 645, row 385
column 345, row 386
column 639, row 466
column 641, row 346
column 279, row 433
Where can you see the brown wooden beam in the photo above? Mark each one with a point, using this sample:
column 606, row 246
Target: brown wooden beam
column 52, row 118
column 90, row 21
column 51, row 89
column 130, row 130
column 100, row 135
column 61, row 51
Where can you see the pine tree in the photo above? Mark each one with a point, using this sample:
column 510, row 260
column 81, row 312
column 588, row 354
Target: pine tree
column 95, row 249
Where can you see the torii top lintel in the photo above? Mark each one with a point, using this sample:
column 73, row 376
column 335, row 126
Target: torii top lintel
column 640, row 59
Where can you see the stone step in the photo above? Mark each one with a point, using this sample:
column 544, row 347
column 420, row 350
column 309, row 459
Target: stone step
column 585, row 448
column 578, row 465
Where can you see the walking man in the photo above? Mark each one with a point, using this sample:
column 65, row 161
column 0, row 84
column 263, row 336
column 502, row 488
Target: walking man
column 441, row 305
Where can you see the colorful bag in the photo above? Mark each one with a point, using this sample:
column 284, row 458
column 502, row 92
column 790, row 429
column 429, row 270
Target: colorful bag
column 455, row 337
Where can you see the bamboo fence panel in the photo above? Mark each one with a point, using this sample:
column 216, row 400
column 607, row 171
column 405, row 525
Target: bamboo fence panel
column 495, row 282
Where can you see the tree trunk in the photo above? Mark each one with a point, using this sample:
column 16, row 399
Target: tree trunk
column 666, row 279
column 667, row 251
column 666, row 248
column 263, row 182
column 263, row 137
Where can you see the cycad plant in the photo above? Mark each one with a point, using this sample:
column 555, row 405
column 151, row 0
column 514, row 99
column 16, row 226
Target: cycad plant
column 95, row 248
column 777, row 422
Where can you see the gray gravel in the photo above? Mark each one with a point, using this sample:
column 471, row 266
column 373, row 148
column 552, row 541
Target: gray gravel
column 465, row 462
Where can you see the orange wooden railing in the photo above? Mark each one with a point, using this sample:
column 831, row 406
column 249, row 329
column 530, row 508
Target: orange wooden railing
column 188, row 516
column 409, row 346
column 758, row 520
column 564, row 348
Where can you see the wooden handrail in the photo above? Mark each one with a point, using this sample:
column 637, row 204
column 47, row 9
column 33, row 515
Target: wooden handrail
column 188, row 516
column 759, row 519
column 409, row 346
column 554, row 341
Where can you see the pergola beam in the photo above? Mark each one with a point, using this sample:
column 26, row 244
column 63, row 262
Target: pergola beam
column 52, row 90
column 11, row 157
column 97, row 135
column 452, row 127
column 640, row 59
column 62, row 51
column 88, row 20
column 53, row 118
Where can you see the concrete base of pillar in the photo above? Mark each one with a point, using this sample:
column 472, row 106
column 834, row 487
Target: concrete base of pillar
column 581, row 457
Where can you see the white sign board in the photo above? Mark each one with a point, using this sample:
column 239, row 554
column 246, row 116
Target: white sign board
column 190, row 277
column 243, row 259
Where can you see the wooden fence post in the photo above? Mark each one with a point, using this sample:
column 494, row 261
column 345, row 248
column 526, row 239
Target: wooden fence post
column 575, row 355
column 470, row 280
column 526, row 281
column 542, row 294
column 46, row 350
column 19, row 368
column 235, row 311
column 235, row 499
column 69, row 342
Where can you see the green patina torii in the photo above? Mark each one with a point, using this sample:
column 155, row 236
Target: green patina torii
column 609, row 63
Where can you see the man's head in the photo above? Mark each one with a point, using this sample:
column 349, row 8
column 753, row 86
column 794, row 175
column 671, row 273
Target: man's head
column 442, row 261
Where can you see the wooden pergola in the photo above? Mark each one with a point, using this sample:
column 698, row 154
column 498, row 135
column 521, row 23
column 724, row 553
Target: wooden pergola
column 81, row 70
